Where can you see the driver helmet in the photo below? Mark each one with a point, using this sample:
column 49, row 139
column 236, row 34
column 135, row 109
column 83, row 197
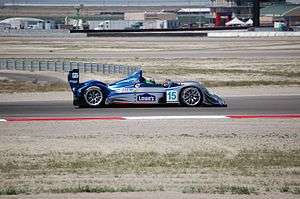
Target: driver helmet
column 167, row 83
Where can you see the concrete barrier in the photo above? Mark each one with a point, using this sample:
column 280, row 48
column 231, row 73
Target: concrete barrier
column 148, row 34
column 253, row 34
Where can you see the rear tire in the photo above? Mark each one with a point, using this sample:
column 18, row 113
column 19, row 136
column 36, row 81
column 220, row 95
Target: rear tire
column 191, row 96
column 93, row 97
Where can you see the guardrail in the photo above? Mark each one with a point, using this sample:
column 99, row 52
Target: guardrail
column 38, row 33
column 63, row 66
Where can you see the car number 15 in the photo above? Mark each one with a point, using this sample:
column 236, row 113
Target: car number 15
column 172, row 96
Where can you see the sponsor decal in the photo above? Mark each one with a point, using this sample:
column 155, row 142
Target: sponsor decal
column 73, row 81
column 126, row 90
column 146, row 98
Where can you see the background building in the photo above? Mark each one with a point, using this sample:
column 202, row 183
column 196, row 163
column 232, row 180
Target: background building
column 243, row 9
column 24, row 23
column 175, row 14
column 195, row 17
column 143, row 16
column 289, row 13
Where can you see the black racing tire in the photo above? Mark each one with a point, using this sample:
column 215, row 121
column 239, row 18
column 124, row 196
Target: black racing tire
column 93, row 97
column 190, row 96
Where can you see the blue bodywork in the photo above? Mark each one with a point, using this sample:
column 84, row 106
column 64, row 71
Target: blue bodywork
column 136, row 90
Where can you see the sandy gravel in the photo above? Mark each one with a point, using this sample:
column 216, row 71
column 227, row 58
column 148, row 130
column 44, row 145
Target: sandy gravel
column 158, row 136
column 151, row 195
column 49, row 139
column 259, row 60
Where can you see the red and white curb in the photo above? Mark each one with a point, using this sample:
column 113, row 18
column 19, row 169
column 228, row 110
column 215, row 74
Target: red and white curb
column 40, row 119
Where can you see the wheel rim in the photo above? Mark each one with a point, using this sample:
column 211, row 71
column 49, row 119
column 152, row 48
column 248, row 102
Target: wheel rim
column 93, row 97
column 191, row 96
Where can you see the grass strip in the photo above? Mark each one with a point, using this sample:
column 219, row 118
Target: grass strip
column 16, row 190
column 185, row 71
column 137, row 162
column 222, row 189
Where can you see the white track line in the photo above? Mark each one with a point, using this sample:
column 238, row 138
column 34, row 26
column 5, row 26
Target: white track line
column 182, row 117
column 177, row 117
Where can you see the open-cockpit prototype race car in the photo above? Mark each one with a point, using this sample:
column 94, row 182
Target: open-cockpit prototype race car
column 136, row 89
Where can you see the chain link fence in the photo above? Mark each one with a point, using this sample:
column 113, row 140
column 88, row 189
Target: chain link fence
column 63, row 66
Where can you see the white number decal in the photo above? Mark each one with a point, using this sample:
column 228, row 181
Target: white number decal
column 172, row 96
column 75, row 75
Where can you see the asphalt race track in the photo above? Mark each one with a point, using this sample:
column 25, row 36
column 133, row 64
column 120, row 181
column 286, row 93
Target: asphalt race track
column 236, row 106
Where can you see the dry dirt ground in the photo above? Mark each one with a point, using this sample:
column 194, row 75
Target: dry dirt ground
column 151, row 195
column 215, row 61
column 239, row 157
column 12, row 81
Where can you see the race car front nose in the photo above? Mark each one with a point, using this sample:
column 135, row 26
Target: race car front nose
column 215, row 100
column 221, row 101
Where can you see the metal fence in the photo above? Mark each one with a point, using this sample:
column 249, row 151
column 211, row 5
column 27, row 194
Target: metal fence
column 63, row 66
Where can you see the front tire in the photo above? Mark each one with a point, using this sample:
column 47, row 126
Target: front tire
column 191, row 96
column 93, row 97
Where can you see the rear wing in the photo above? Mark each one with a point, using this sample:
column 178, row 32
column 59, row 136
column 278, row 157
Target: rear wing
column 73, row 78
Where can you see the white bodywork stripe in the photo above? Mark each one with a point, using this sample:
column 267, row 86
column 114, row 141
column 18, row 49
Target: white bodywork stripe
column 3, row 120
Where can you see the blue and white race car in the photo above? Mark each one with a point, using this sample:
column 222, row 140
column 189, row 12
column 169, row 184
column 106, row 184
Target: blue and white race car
column 136, row 89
